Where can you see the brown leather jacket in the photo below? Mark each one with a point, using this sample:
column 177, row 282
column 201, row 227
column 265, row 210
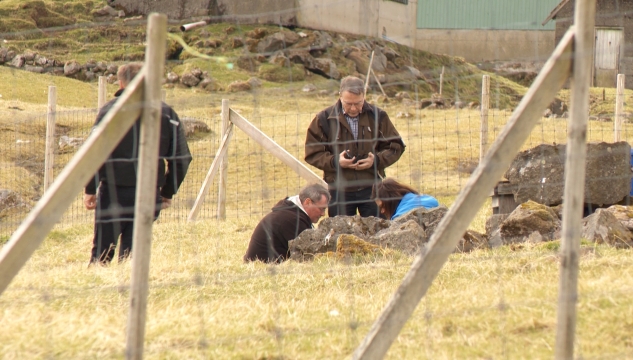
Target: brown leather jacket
column 329, row 134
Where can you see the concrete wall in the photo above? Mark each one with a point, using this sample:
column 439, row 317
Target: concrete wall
column 361, row 17
column 260, row 11
column 480, row 45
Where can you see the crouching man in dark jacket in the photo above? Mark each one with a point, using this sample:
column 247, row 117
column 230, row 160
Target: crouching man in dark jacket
column 116, row 179
column 269, row 242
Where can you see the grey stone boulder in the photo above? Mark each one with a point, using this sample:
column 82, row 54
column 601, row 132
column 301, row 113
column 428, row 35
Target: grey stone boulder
column 189, row 79
column 472, row 240
column 538, row 173
column 407, row 237
column 254, row 82
column 624, row 214
column 324, row 67
column 34, row 69
column 194, row 126
column 172, row 78
column 602, row 227
column 427, row 218
column 72, row 68
column 277, row 41
column 18, row 61
column 3, row 55
column 324, row 238
column 528, row 218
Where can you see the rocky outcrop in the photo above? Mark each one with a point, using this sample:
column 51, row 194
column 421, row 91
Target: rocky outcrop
column 532, row 221
column 408, row 234
column 602, row 227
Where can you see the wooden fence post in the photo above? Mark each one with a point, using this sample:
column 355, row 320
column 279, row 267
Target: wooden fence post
column 619, row 109
column 224, row 165
column 371, row 60
column 49, row 157
column 103, row 92
column 441, row 81
column 145, row 202
column 451, row 228
column 485, row 105
column 574, row 191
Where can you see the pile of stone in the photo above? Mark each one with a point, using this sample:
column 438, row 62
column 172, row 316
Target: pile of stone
column 34, row 62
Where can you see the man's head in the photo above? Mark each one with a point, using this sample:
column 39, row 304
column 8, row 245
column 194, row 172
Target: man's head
column 314, row 199
column 127, row 72
column 352, row 95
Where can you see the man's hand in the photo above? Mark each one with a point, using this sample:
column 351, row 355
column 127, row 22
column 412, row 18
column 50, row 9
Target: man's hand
column 90, row 201
column 365, row 163
column 345, row 162
column 165, row 203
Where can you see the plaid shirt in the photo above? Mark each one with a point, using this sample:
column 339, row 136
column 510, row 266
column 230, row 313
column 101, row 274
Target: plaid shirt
column 353, row 124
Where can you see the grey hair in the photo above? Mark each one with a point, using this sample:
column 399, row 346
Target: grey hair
column 352, row 84
column 127, row 72
column 314, row 192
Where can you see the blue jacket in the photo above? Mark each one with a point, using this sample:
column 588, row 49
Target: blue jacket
column 412, row 201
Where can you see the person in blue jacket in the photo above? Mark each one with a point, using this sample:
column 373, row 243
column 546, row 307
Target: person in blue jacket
column 395, row 199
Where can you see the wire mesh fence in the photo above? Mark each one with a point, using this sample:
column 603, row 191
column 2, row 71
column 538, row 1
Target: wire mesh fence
column 442, row 151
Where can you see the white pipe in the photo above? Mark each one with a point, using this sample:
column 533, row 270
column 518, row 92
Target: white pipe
column 190, row 26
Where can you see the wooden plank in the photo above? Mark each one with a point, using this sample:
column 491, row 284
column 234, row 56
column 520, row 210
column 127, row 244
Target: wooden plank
column 277, row 151
column 574, row 193
column 224, row 166
column 485, row 105
column 70, row 182
column 215, row 165
column 451, row 228
column 49, row 157
column 619, row 109
column 145, row 202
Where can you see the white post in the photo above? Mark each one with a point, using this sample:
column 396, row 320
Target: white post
column 49, row 157
column 224, row 165
column 103, row 91
column 619, row 109
column 145, row 202
column 441, row 80
column 575, row 162
column 485, row 105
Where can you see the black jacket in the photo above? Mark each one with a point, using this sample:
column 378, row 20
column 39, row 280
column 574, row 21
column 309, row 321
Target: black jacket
column 269, row 242
column 121, row 168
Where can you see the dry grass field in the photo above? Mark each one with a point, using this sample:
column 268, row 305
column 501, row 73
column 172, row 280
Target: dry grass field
column 205, row 303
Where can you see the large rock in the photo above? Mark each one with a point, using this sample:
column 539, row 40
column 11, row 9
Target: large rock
column 471, row 241
column 407, row 237
column 624, row 214
column 324, row 67
column 72, row 68
column 532, row 221
column 18, row 61
column 602, row 227
column 194, row 126
column 239, row 85
column 538, row 173
column 277, row 41
column 324, row 238
column 427, row 218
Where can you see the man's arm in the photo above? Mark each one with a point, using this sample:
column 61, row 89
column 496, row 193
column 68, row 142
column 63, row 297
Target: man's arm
column 390, row 145
column 318, row 151
column 178, row 161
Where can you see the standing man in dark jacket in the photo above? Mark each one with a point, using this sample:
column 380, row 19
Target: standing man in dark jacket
column 352, row 142
column 269, row 242
column 116, row 179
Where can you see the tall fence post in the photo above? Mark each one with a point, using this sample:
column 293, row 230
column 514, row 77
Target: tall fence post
column 619, row 109
column 485, row 105
column 224, row 165
column 145, row 201
column 49, row 157
column 574, row 190
column 441, row 81
column 102, row 94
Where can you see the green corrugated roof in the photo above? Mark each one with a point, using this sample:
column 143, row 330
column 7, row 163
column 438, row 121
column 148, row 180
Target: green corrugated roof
column 485, row 14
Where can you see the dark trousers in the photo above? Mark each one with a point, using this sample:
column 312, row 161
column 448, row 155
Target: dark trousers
column 348, row 202
column 114, row 217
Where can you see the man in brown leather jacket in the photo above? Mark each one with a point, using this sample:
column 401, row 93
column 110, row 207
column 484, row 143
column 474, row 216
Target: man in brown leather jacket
column 352, row 142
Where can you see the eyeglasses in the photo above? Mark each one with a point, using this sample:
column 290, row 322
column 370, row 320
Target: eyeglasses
column 357, row 105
